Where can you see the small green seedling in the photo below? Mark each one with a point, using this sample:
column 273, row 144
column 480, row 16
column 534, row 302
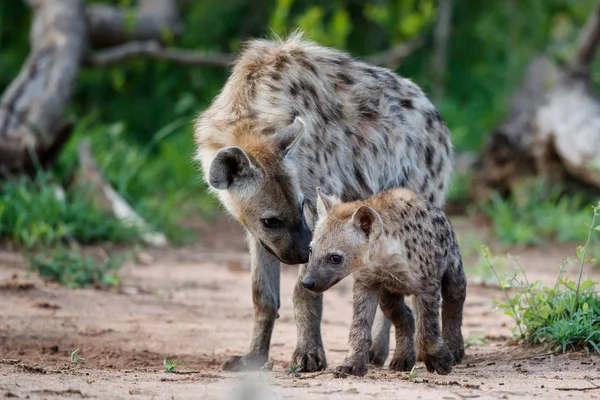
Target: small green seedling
column 75, row 358
column 471, row 340
column 171, row 366
column 293, row 370
column 413, row 373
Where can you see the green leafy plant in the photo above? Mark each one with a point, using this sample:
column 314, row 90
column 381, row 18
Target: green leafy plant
column 37, row 212
column 535, row 214
column 72, row 268
column 563, row 317
column 75, row 357
column 293, row 370
column 414, row 373
column 171, row 366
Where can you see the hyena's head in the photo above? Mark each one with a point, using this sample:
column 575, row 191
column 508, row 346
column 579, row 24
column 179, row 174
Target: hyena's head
column 340, row 242
column 258, row 186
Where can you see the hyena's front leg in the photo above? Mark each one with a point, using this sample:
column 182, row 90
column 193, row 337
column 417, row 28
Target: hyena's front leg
column 380, row 349
column 308, row 309
column 265, row 297
column 397, row 311
column 364, row 307
column 432, row 348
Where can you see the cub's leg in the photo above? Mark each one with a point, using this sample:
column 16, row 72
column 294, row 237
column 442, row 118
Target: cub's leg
column 429, row 342
column 380, row 349
column 401, row 316
column 454, row 291
column 364, row 308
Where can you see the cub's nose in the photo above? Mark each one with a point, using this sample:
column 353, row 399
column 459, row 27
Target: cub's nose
column 308, row 282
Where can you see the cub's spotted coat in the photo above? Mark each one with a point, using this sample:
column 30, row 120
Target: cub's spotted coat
column 295, row 115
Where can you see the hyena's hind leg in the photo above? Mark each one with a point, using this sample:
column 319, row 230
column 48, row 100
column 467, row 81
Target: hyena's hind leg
column 401, row 316
column 380, row 349
column 454, row 291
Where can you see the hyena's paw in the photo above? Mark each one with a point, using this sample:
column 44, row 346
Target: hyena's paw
column 456, row 346
column 249, row 362
column 358, row 369
column 378, row 353
column 439, row 361
column 310, row 359
column 458, row 352
column 403, row 362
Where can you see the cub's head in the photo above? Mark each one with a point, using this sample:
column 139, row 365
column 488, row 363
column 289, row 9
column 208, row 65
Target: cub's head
column 340, row 241
column 258, row 186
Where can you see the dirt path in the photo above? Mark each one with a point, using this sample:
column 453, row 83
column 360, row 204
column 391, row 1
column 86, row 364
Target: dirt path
column 194, row 306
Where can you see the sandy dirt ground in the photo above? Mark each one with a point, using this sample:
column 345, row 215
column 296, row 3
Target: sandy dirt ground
column 194, row 304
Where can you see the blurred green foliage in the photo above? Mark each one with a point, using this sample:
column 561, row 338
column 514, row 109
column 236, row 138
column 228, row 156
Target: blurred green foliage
column 36, row 213
column 138, row 114
column 537, row 213
column 72, row 268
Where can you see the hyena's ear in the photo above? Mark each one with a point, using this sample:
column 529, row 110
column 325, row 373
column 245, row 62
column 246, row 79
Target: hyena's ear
column 230, row 166
column 324, row 203
column 288, row 137
column 368, row 221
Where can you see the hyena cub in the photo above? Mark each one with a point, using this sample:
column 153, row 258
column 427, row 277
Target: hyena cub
column 396, row 244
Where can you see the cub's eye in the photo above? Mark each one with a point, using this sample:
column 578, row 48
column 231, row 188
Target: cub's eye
column 310, row 250
column 335, row 259
column 272, row 222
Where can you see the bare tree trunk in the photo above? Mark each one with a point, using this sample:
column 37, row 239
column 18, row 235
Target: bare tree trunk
column 31, row 108
column 552, row 129
column 440, row 50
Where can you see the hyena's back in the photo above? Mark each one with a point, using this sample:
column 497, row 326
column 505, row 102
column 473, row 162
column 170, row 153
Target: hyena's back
column 367, row 129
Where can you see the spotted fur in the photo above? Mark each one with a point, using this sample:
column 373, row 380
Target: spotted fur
column 365, row 130
column 396, row 244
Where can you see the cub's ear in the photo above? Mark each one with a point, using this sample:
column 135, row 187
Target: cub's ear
column 368, row 222
column 288, row 137
column 230, row 167
column 325, row 203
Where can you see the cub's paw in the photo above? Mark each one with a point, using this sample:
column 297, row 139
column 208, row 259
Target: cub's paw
column 310, row 359
column 439, row 361
column 458, row 352
column 359, row 369
column 403, row 362
column 378, row 353
column 249, row 362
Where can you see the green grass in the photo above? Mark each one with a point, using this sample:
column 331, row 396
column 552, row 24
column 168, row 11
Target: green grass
column 158, row 178
column 538, row 214
column 75, row 357
column 33, row 213
column 293, row 370
column 72, row 268
column 171, row 366
column 563, row 317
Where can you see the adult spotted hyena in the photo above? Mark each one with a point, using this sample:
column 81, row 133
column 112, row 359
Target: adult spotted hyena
column 293, row 116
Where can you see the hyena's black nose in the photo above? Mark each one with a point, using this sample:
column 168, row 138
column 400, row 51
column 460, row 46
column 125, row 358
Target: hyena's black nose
column 308, row 282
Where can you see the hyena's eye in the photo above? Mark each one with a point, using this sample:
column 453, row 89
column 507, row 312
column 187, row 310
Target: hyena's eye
column 272, row 223
column 335, row 258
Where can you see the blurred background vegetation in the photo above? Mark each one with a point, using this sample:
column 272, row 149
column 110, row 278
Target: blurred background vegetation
column 138, row 113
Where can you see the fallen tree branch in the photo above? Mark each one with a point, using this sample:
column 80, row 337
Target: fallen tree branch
column 440, row 49
column 153, row 49
column 31, row 107
column 393, row 57
column 151, row 20
column 587, row 44
column 108, row 199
